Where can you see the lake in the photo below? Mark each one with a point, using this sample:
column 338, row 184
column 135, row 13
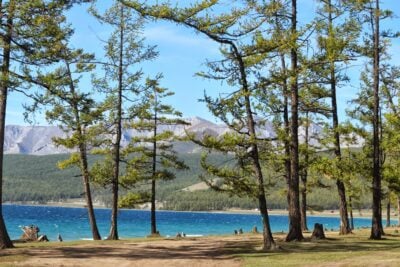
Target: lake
column 72, row 223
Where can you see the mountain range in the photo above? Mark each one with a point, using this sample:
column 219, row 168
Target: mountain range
column 37, row 140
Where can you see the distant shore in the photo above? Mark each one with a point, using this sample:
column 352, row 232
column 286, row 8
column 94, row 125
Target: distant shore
column 80, row 203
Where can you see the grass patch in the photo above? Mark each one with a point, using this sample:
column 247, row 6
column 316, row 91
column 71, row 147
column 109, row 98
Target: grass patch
column 352, row 250
column 11, row 260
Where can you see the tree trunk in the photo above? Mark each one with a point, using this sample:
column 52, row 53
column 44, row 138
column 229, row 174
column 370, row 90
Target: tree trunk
column 304, row 206
column 5, row 241
column 344, row 218
column 376, row 228
column 295, row 232
column 287, row 126
column 398, row 210
column 113, row 235
column 268, row 240
column 304, row 179
column 83, row 160
column 153, row 181
column 388, row 213
column 318, row 232
column 153, row 208
column 89, row 202
column 351, row 213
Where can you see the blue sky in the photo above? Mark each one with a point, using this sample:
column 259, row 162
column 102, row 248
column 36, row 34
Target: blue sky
column 182, row 53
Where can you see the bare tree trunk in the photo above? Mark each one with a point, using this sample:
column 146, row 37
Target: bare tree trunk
column 304, row 205
column 5, row 241
column 113, row 235
column 287, row 126
column 376, row 228
column 388, row 213
column 351, row 213
column 295, row 232
column 304, row 179
column 88, row 193
column 398, row 210
column 344, row 219
column 268, row 240
column 83, row 159
column 153, row 181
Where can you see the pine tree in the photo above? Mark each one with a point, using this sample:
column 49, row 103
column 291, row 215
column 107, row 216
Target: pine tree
column 32, row 33
column 124, row 51
column 75, row 112
column 295, row 232
column 336, row 41
column 236, row 110
column 153, row 156
column 374, row 48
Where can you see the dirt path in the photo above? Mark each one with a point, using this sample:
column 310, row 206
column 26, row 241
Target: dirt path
column 212, row 251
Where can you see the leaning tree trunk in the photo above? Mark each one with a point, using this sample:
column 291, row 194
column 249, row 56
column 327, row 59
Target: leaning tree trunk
column 376, row 228
column 5, row 241
column 88, row 193
column 295, row 232
column 268, row 240
column 83, row 160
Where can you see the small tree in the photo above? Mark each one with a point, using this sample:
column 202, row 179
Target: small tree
column 75, row 112
column 153, row 157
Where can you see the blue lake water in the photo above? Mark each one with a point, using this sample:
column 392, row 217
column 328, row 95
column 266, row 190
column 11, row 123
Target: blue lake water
column 72, row 223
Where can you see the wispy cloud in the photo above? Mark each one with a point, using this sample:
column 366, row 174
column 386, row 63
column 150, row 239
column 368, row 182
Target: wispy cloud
column 164, row 34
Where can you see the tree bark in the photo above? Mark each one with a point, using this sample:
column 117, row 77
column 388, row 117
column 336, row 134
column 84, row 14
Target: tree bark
column 83, row 160
column 344, row 218
column 388, row 213
column 376, row 228
column 88, row 194
column 286, row 125
column 268, row 240
column 295, row 232
column 304, row 179
column 398, row 210
column 5, row 241
column 154, row 168
column 113, row 235
column 351, row 213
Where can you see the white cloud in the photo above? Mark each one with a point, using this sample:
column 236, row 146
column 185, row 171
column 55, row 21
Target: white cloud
column 164, row 34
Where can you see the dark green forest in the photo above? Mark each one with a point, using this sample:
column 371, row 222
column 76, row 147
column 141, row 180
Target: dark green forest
column 37, row 179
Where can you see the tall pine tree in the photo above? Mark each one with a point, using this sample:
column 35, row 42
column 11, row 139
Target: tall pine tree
column 32, row 34
column 124, row 51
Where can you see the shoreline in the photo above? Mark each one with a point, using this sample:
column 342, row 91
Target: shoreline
column 365, row 213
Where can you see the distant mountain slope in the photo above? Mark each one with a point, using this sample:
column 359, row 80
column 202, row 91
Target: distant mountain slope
column 37, row 140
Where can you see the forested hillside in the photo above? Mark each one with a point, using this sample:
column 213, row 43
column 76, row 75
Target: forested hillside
column 37, row 178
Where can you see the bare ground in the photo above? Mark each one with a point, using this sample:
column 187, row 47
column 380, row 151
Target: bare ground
column 193, row 252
